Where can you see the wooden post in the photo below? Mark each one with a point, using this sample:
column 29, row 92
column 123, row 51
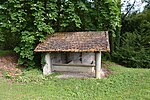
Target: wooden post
column 98, row 65
column 47, row 67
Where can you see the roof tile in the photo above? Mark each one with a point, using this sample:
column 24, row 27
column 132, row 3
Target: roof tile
column 75, row 42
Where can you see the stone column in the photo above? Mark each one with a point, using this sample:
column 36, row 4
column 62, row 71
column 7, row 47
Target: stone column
column 47, row 68
column 98, row 65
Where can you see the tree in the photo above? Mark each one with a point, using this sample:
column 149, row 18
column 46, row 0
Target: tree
column 134, row 50
column 31, row 20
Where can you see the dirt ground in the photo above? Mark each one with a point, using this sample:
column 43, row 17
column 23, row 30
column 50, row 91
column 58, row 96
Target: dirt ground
column 8, row 65
column 104, row 73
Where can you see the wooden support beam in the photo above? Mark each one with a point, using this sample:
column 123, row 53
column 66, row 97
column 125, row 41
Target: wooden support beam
column 47, row 68
column 98, row 65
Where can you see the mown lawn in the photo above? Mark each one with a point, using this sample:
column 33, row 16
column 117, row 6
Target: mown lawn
column 122, row 84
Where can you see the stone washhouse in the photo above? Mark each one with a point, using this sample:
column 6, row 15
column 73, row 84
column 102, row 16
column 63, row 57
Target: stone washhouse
column 74, row 51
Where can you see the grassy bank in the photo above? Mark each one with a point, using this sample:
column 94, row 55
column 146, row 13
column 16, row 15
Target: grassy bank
column 6, row 52
column 123, row 83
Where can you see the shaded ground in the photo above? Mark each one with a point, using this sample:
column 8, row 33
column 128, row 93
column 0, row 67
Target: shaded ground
column 8, row 65
column 105, row 72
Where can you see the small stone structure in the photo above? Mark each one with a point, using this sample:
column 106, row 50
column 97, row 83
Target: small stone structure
column 73, row 61
column 74, row 51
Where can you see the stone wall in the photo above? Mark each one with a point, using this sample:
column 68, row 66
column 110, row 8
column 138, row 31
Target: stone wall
column 58, row 57
column 88, row 58
column 73, row 58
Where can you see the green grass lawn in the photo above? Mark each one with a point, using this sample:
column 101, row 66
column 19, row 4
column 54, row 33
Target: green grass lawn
column 123, row 83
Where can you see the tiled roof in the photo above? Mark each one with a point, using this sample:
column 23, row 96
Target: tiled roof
column 75, row 42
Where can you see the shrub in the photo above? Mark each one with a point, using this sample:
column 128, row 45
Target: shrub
column 134, row 48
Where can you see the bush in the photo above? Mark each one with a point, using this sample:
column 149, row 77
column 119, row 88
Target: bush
column 134, row 49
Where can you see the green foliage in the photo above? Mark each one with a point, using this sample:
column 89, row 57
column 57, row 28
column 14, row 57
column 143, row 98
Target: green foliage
column 134, row 50
column 25, row 23
column 2, row 39
column 6, row 52
column 33, row 76
column 69, row 15
column 5, row 74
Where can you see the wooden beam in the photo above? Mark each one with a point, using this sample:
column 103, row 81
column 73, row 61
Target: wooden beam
column 98, row 65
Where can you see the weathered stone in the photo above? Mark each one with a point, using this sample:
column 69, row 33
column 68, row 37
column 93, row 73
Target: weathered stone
column 73, row 58
column 58, row 57
column 98, row 69
column 47, row 66
column 73, row 68
column 88, row 58
column 81, row 59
